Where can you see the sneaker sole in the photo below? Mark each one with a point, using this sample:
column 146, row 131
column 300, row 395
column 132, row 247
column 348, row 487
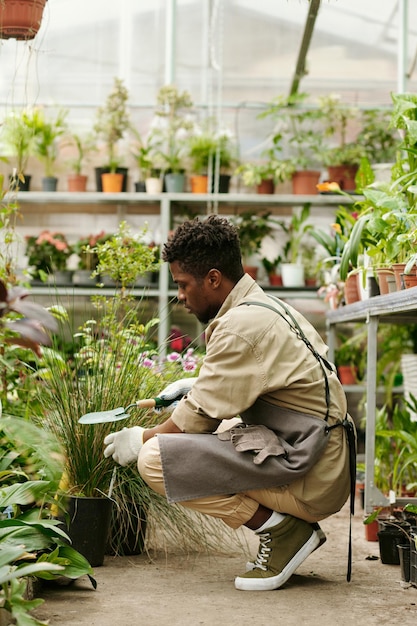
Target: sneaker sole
column 275, row 582
column 250, row 565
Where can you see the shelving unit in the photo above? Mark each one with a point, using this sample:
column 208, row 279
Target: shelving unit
column 167, row 206
column 394, row 308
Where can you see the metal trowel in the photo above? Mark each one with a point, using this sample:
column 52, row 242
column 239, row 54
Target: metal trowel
column 121, row 413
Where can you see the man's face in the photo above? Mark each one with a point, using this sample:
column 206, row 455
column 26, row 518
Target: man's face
column 197, row 295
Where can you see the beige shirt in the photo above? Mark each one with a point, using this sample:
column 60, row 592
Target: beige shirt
column 252, row 352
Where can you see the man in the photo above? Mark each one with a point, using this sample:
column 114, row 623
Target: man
column 287, row 465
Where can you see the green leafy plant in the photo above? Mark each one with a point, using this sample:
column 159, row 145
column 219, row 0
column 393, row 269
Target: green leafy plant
column 112, row 121
column 377, row 136
column 125, row 256
column 206, row 148
column 297, row 125
column 88, row 259
column 32, row 544
column 295, row 230
column 147, row 156
column 386, row 228
column 18, row 138
column 396, row 449
column 252, row 229
column 46, row 132
column 84, row 146
column 337, row 118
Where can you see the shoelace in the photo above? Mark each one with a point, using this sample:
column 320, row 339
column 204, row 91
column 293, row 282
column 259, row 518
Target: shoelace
column 263, row 552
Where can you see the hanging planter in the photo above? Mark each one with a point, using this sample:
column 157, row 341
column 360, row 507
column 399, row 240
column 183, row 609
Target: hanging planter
column 20, row 19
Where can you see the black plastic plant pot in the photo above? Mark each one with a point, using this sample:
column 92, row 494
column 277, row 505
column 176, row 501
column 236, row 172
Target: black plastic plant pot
column 88, row 526
column 404, row 554
column 389, row 538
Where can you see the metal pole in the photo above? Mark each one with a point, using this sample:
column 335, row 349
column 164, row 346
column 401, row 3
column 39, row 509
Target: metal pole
column 170, row 42
column 402, row 46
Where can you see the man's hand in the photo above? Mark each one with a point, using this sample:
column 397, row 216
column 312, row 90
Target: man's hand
column 124, row 446
column 175, row 391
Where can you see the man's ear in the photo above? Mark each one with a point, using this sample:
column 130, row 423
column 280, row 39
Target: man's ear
column 214, row 278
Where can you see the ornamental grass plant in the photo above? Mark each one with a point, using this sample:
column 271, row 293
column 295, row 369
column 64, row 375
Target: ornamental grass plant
column 113, row 364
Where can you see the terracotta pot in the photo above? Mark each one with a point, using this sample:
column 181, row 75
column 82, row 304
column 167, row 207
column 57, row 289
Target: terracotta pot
column 305, row 182
column 112, row 183
column 77, row 182
column 398, row 269
column 352, row 293
column 410, row 280
column 20, row 19
column 252, row 270
column 266, row 186
column 383, row 273
column 344, row 175
column 199, row 183
column 347, row 374
column 371, row 531
column 275, row 280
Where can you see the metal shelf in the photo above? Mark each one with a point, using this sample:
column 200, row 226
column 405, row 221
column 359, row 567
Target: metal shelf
column 394, row 308
column 166, row 205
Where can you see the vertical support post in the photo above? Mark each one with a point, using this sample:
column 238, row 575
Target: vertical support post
column 402, row 46
column 163, row 312
column 373, row 497
column 170, row 41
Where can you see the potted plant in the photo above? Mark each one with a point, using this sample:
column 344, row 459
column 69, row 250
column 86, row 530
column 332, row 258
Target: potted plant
column 170, row 128
column 84, row 145
column 350, row 358
column 112, row 122
column 18, row 140
column 295, row 230
column 87, row 258
column 379, row 138
column 386, row 226
column 125, row 257
column 20, row 20
column 342, row 155
column 211, row 155
column 252, row 229
column 271, row 267
column 298, row 126
column 47, row 255
column 47, row 132
column 145, row 152
column 112, row 363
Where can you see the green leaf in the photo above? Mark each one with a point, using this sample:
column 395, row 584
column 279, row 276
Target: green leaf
column 23, row 493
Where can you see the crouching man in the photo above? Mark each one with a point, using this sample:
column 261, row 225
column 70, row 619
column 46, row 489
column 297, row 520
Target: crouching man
column 286, row 466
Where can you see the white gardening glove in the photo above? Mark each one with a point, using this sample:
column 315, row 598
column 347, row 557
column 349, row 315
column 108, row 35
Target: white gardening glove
column 175, row 391
column 124, row 446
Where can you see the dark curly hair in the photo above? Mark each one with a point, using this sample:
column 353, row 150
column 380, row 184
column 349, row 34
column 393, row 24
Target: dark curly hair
column 201, row 245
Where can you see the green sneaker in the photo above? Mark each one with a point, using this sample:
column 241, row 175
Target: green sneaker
column 250, row 565
column 282, row 549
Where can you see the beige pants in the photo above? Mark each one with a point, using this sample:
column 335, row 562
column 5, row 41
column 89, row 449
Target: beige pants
column 234, row 510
